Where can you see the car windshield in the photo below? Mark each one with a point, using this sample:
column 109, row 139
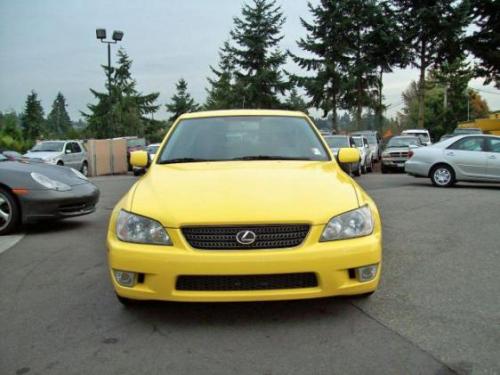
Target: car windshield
column 337, row 142
column 243, row 138
column 424, row 137
column 48, row 147
column 358, row 141
column 403, row 142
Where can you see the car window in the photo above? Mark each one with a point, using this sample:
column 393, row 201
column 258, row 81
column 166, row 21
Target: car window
column 468, row 144
column 76, row 147
column 68, row 147
column 48, row 147
column 403, row 142
column 494, row 145
column 244, row 137
column 358, row 142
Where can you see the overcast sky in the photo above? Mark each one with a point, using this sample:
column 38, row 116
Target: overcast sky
column 50, row 46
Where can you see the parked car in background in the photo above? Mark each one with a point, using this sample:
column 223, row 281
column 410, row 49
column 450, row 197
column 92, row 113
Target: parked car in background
column 134, row 144
column 461, row 131
column 446, row 136
column 69, row 153
column 36, row 191
column 397, row 151
column 335, row 143
column 374, row 141
column 11, row 155
column 462, row 158
column 423, row 134
column 152, row 149
column 366, row 153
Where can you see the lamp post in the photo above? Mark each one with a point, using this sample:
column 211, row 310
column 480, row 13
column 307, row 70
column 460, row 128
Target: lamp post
column 117, row 37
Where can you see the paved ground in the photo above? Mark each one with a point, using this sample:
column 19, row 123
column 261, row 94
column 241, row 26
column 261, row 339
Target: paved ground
column 437, row 311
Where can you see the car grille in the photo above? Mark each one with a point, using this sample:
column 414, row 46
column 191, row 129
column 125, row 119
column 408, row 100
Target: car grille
column 399, row 154
column 266, row 237
column 247, row 282
column 69, row 209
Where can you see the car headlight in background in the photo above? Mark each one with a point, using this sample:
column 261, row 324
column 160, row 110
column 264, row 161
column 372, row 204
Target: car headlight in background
column 356, row 223
column 79, row 174
column 140, row 229
column 49, row 183
column 386, row 154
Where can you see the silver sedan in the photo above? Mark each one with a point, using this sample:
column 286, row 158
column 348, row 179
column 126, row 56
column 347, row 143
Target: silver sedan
column 462, row 158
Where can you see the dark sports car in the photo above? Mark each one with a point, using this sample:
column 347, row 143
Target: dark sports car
column 35, row 191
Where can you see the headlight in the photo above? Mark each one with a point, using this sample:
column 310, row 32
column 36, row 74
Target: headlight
column 385, row 154
column 356, row 223
column 49, row 183
column 140, row 229
column 79, row 174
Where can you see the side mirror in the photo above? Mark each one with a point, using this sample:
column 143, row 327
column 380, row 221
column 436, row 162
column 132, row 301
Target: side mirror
column 139, row 159
column 67, row 151
column 348, row 155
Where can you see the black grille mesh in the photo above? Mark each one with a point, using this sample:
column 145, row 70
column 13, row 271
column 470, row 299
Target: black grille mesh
column 247, row 282
column 267, row 237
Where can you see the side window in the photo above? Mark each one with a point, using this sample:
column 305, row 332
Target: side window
column 365, row 142
column 67, row 148
column 351, row 141
column 494, row 145
column 468, row 144
column 76, row 148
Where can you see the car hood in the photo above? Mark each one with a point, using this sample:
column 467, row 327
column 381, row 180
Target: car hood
column 17, row 173
column 249, row 192
column 42, row 155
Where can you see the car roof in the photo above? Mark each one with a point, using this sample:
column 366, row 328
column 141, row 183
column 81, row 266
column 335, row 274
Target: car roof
column 242, row 112
column 415, row 131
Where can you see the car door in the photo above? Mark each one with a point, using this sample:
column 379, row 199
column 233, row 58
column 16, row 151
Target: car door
column 468, row 157
column 77, row 155
column 67, row 155
column 493, row 158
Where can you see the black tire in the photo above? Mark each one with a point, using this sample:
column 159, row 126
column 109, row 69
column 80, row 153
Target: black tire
column 85, row 169
column 357, row 172
column 60, row 163
column 10, row 212
column 364, row 169
column 127, row 302
column 370, row 166
column 383, row 169
column 442, row 175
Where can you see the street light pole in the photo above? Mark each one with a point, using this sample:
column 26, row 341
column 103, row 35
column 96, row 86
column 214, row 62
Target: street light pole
column 117, row 37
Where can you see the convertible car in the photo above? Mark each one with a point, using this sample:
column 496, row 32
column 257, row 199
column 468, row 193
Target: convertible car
column 35, row 191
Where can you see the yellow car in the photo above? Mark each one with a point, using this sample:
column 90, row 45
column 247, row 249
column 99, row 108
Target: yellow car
column 244, row 205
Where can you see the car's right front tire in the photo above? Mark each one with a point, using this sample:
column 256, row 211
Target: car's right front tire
column 9, row 212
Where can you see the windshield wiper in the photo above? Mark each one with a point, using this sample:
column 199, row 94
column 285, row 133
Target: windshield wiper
column 271, row 157
column 183, row 160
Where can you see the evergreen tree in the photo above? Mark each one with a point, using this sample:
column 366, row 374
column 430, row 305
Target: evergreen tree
column 221, row 91
column 33, row 121
column 58, row 121
column 484, row 42
column 294, row 102
column 326, row 46
column 181, row 101
column 257, row 58
column 433, row 31
column 125, row 111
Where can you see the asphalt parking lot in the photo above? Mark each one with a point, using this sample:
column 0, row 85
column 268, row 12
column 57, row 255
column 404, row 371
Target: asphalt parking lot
column 437, row 310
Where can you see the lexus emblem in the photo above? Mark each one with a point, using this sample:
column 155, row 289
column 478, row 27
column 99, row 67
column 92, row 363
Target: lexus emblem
column 246, row 237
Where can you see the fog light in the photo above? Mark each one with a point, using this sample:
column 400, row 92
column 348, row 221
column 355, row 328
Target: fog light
column 125, row 278
column 366, row 273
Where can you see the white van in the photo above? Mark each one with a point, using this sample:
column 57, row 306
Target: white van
column 423, row 134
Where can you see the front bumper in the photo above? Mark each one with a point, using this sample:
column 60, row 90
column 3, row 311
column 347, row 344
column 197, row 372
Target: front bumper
column 394, row 163
column 161, row 266
column 51, row 204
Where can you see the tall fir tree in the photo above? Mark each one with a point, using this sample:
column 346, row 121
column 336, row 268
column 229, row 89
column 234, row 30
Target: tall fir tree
column 484, row 42
column 125, row 111
column 433, row 33
column 295, row 102
column 32, row 120
column 220, row 94
column 325, row 46
column 181, row 102
column 58, row 121
column 257, row 58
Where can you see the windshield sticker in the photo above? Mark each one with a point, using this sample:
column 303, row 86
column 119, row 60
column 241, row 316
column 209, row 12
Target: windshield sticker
column 316, row 151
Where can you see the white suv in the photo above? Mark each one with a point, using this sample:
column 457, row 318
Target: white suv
column 69, row 153
column 423, row 134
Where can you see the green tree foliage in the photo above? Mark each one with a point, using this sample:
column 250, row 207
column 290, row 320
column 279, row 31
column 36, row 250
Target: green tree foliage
column 258, row 60
column 484, row 41
column 32, row 120
column 181, row 102
column 295, row 102
column 221, row 93
column 433, row 31
column 58, row 121
column 11, row 137
column 125, row 111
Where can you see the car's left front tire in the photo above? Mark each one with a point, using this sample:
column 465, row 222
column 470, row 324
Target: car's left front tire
column 85, row 169
column 9, row 212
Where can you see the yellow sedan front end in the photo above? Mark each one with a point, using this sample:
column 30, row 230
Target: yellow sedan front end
column 244, row 228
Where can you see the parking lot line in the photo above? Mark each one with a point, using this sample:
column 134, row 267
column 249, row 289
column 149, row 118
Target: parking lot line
column 6, row 242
